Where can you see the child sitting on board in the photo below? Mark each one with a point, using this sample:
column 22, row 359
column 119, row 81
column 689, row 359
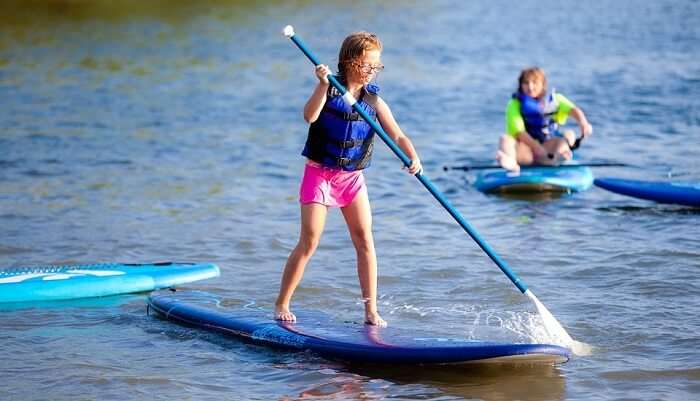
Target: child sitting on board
column 533, row 117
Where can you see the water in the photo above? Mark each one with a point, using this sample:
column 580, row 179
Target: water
column 172, row 132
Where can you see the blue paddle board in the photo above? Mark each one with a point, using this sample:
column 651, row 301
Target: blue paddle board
column 687, row 194
column 48, row 283
column 346, row 341
column 532, row 179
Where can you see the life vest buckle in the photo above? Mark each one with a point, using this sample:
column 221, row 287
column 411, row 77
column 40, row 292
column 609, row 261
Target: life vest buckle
column 343, row 161
column 349, row 144
column 352, row 116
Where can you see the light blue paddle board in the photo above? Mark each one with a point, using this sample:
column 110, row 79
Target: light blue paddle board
column 321, row 334
column 48, row 283
column 681, row 193
column 532, row 179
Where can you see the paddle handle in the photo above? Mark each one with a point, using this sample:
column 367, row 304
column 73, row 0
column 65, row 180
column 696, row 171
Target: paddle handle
column 289, row 32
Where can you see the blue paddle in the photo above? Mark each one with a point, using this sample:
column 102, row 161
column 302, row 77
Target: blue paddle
column 525, row 167
column 555, row 330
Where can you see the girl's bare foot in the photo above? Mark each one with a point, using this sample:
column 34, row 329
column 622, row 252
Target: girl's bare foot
column 283, row 313
column 507, row 162
column 374, row 319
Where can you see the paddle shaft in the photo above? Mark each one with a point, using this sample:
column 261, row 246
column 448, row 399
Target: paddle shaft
column 495, row 166
column 422, row 178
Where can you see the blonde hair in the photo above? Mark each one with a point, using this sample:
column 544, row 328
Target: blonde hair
column 532, row 73
column 354, row 46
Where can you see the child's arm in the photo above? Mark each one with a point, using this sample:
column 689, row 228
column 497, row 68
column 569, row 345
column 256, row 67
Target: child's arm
column 313, row 106
column 388, row 122
column 580, row 117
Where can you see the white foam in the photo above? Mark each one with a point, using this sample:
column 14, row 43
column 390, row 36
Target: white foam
column 503, row 326
column 558, row 334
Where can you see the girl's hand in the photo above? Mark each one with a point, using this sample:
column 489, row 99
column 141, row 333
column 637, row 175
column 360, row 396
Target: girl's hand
column 322, row 72
column 415, row 167
column 586, row 129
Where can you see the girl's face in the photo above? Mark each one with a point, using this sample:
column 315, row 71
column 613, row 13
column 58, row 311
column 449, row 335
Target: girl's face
column 532, row 86
column 363, row 69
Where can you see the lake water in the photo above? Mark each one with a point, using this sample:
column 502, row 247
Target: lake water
column 170, row 131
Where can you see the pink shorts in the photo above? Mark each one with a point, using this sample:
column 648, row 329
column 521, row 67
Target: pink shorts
column 329, row 186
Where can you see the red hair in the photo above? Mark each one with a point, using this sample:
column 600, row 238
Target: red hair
column 354, row 46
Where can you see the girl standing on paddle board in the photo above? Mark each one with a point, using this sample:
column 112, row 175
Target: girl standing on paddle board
column 533, row 117
column 338, row 147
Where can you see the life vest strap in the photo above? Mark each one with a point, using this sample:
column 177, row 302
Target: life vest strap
column 350, row 144
column 352, row 116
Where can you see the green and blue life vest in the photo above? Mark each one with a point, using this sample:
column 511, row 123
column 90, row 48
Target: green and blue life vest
column 540, row 119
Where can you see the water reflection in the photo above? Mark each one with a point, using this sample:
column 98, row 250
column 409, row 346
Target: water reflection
column 495, row 382
column 533, row 196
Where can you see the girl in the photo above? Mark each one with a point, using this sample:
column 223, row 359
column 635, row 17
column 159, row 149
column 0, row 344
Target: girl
column 339, row 145
column 532, row 124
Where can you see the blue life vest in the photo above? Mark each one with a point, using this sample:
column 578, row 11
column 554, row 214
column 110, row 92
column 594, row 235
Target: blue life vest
column 538, row 115
column 340, row 137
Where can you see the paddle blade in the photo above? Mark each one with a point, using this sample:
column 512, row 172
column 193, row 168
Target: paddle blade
column 556, row 331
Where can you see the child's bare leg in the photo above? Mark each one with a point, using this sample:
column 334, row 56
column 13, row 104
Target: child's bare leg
column 507, row 153
column 313, row 219
column 358, row 216
column 525, row 155
column 559, row 147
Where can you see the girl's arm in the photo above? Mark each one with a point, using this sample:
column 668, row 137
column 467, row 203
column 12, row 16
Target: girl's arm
column 388, row 122
column 582, row 121
column 313, row 106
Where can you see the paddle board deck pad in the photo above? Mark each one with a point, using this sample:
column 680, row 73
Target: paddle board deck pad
column 567, row 178
column 348, row 341
column 687, row 194
column 49, row 283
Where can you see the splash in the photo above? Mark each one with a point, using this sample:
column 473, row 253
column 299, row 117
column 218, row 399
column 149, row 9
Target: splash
column 502, row 326
column 557, row 333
